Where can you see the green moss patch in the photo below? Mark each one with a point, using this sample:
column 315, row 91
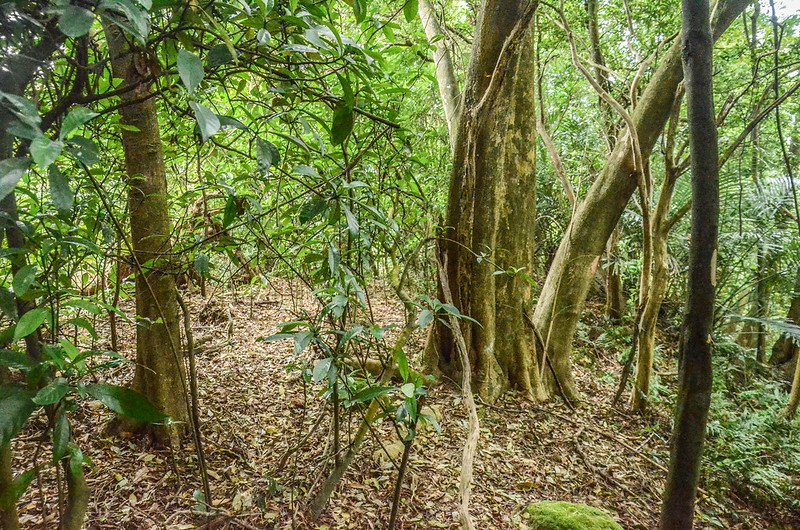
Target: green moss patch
column 549, row 515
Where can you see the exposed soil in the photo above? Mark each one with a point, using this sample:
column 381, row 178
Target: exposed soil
column 255, row 408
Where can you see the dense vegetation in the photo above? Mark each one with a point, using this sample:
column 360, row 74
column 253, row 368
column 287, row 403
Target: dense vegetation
column 480, row 211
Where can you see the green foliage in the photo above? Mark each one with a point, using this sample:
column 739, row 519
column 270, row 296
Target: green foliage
column 751, row 449
column 549, row 515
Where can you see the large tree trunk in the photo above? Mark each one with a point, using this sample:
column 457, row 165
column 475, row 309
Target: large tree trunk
column 695, row 371
column 567, row 283
column 159, row 364
column 445, row 71
column 492, row 207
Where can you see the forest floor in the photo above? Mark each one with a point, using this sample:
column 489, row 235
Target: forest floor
column 254, row 409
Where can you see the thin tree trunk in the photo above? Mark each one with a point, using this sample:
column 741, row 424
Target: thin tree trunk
column 445, row 71
column 159, row 365
column 8, row 515
column 491, row 209
column 785, row 349
column 695, row 370
column 567, row 283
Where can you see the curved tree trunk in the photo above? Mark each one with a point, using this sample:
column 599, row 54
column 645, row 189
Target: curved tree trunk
column 159, row 364
column 490, row 228
column 567, row 283
column 445, row 72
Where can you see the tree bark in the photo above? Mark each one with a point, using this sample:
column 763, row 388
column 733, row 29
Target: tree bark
column 445, row 72
column 785, row 349
column 488, row 240
column 567, row 283
column 695, row 369
column 159, row 365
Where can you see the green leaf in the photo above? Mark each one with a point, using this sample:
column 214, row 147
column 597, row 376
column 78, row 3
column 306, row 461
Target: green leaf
column 352, row 223
column 368, row 394
column 61, row 436
column 52, row 393
column 44, row 151
column 76, row 118
column 321, row 369
column 312, row 209
column 207, row 121
column 201, row 264
column 360, row 9
column 11, row 171
column 84, row 150
column 7, row 303
column 408, row 390
column 402, row 364
column 60, row 193
column 138, row 19
column 218, row 56
column 190, row 70
column 30, row 322
column 15, row 408
column 342, row 123
column 424, row 318
column 23, row 280
column 16, row 359
column 410, row 10
column 18, row 487
column 266, row 155
column 75, row 21
column 126, row 402
column 229, row 214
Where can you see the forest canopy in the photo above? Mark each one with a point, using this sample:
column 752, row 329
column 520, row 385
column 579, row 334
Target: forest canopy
column 420, row 264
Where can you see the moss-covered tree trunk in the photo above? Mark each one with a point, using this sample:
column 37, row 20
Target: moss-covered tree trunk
column 491, row 211
column 159, row 363
column 567, row 283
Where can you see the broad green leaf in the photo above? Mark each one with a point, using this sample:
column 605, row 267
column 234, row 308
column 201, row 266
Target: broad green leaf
column 424, row 318
column 138, row 23
column 190, row 70
column 16, row 359
column 229, row 214
column 342, row 123
column 368, row 394
column 266, row 155
column 15, row 407
column 352, row 222
column 76, row 118
column 30, row 322
column 75, row 21
column 7, row 303
column 408, row 390
column 321, row 370
column 207, row 121
column 218, row 56
column 126, row 402
column 84, row 150
column 410, row 10
column 360, row 9
column 201, row 264
column 44, row 151
column 11, row 171
column 61, row 436
column 52, row 393
column 401, row 359
column 60, row 193
column 312, row 209
column 23, row 280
